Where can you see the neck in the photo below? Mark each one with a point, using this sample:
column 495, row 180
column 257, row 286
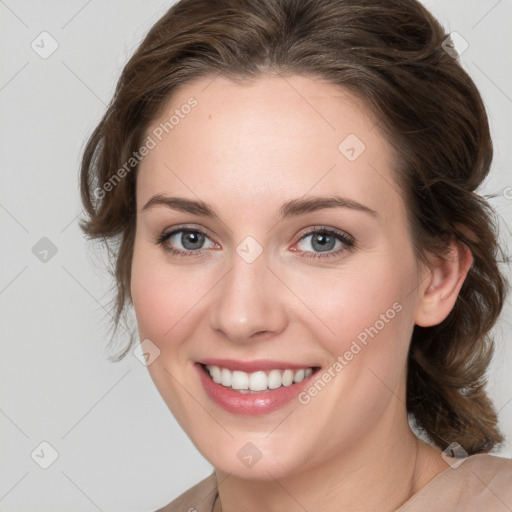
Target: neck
column 381, row 475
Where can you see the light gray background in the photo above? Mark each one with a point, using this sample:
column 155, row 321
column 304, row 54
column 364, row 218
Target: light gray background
column 119, row 447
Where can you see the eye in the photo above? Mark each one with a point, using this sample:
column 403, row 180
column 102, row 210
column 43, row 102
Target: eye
column 320, row 242
column 324, row 242
column 185, row 242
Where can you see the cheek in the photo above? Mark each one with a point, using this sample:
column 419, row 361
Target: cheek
column 367, row 317
column 365, row 320
column 165, row 301
column 150, row 295
column 161, row 297
column 359, row 302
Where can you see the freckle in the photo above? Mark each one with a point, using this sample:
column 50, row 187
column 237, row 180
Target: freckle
column 209, row 116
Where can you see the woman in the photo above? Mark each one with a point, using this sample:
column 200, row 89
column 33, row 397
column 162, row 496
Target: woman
column 291, row 185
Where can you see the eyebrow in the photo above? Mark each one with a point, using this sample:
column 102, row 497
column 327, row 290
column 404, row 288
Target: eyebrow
column 292, row 208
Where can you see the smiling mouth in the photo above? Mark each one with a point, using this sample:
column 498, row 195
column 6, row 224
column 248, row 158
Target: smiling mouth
column 259, row 381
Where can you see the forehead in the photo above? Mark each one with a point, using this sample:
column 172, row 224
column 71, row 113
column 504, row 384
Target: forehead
column 275, row 137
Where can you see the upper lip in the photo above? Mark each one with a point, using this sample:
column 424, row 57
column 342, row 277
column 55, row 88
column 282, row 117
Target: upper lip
column 254, row 365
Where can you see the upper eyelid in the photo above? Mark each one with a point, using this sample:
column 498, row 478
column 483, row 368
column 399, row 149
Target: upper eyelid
column 178, row 229
column 324, row 229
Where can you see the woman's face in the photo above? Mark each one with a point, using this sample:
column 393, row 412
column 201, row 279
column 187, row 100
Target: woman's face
column 296, row 256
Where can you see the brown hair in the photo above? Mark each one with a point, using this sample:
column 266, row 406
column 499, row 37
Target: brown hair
column 390, row 54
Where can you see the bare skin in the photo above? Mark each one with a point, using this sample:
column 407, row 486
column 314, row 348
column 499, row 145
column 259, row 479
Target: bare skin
column 245, row 150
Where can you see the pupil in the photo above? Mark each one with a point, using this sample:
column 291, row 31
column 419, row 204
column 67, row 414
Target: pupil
column 325, row 242
column 191, row 240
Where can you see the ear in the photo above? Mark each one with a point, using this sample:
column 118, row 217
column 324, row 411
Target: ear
column 441, row 285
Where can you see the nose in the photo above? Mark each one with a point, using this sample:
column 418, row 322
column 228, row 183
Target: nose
column 248, row 302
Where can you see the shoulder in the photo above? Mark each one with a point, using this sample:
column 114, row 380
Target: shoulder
column 479, row 483
column 199, row 498
column 491, row 479
column 490, row 465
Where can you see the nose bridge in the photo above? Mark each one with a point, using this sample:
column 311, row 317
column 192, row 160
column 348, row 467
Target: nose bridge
column 247, row 301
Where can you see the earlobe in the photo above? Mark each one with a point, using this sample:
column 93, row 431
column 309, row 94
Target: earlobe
column 441, row 287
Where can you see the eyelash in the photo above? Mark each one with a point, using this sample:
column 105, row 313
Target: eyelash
column 347, row 241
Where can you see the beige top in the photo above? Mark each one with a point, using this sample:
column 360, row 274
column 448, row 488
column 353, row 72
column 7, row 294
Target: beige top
column 482, row 483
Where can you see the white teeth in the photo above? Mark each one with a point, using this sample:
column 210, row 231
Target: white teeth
column 216, row 374
column 287, row 378
column 239, row 380
column 257, row 381
column 299, row 376
column 225, row 377
column 274, row 379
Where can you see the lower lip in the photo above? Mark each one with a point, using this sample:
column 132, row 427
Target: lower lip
column 249, row 404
